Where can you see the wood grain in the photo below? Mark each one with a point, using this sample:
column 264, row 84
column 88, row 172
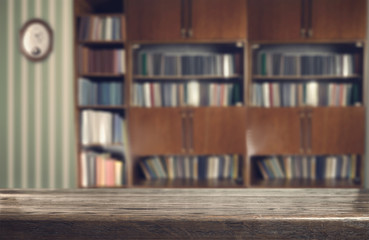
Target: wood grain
column 219, row 130
column 154, row 20
column 184, row 214
column 155, row 131
column 338, row 130
column 274, row 20
column 219, row 19
column 273, row 131
column 338, row 19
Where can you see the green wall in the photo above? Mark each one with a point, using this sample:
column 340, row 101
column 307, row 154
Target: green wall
column 37, row 145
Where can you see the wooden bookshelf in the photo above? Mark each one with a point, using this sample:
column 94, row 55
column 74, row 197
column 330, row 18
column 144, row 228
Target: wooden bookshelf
column 309, row 111
column 197, row 82
column 99, row 26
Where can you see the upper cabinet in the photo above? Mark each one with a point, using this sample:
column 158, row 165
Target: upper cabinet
column 154, row 19
column 274, row 19
column 217, row 19
column 168, row 20
column 337, row 19
column 291, row 20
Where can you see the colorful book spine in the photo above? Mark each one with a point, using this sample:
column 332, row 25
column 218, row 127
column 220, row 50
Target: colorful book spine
column 101, row 170
column 312, row 168
column 194, row 168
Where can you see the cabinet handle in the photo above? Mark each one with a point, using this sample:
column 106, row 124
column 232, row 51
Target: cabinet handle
column 310, row 33
column 183, row 33
column 302, row 26
column 190, row 131
column 310, row 27
column 308, row 132
column 184, row 134
column 183, row 28
column 190, row 31
column 302, row 132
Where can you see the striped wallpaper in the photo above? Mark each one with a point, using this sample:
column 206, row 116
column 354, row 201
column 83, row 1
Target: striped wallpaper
column 37, row 148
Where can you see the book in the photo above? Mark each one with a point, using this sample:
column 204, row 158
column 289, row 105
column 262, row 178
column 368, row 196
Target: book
column 308, row 167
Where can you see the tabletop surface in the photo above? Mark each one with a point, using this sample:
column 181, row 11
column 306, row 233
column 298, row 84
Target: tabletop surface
column 184, row 213
column 185, row 203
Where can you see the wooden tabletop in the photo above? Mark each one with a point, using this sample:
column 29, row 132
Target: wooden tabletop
column 184, row 214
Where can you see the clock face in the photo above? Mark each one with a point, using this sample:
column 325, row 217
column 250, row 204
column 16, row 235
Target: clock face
column 36, row 39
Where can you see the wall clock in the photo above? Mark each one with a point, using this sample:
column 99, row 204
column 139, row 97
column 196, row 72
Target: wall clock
column 36, row 39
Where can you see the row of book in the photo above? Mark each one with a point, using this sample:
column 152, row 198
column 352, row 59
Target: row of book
column 191, row 93
column 272, row 94
column 101, row 60
column 100, row 28
column 101, row 170
column 314, row 167
column 285, row 64
column 100, row 92
column 101, row 127
column 162, row 64
column 195, row 167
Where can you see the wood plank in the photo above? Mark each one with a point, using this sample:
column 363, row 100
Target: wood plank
column 154, row 20
column 338, row 19
column 219, row 19
column 184, row 214
column 273, row 131
column 219, row 130
column 155, row 131
column 274, row 20
column 337, row 130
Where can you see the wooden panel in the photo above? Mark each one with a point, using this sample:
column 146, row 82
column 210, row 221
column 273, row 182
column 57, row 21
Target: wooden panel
column 219, row 19
column 338, row 19
column 273, row 131
column 274, row 19
column 154, row 20
column 185, row 214
column 155, row 131
column 338, row 130
column 219, row 130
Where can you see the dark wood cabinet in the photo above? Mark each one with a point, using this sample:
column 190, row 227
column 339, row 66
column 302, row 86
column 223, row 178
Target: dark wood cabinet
column 218, row 19
column 291, row 20
column 154, row 19
column 337, row 130
column 165, row 20
column 309, row 131
column 274, row 20
column 194, row 131
column 219, row 130
column 273, row 131
column 338, row 19
column 155, row 131
column 173, row 43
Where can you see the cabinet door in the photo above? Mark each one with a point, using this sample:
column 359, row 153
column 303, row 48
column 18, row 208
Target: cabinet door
column 218, row 19
column 274, row 19
column 338, row 19
column 154, row 19
column 219, row 130
column 338, row 130
column 155, row 131
column 274, row 131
